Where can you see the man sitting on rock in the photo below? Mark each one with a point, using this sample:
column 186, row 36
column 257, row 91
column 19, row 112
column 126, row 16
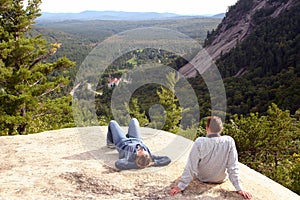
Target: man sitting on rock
column 211, row 159
column 133, row 153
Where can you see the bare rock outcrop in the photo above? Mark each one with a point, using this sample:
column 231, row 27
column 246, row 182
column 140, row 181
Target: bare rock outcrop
column 234, row 28
column 75, row 164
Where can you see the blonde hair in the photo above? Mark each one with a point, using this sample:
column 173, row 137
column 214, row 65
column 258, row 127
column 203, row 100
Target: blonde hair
column 143, row 161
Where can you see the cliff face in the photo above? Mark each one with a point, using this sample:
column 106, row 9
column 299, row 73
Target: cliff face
column 75, row 163
column 239, row 22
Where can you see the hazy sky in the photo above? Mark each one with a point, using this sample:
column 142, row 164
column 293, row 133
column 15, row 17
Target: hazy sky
column 172, row 6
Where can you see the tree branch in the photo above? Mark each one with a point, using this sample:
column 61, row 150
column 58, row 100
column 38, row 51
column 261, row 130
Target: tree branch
column 50, row 90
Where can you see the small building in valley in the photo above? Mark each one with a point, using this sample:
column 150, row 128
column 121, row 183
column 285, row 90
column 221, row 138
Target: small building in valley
column 112, row 82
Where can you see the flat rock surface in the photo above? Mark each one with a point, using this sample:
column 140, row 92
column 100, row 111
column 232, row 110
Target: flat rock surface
column 74, row 163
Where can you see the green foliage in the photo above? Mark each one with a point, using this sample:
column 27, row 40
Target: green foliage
column 76, row 44
column 83, row 114
column 135, row 112
column 27, row 82
column 169, row 101
column 52, row 114
column 295, row 174
column 268, row 47
column 241, row 6
column 189, row 133
column 264, row 67
column 267, row 143
column 95, row 31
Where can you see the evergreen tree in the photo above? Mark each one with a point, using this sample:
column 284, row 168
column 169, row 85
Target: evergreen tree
column 27, row 80
column 169, row 101
column 135, row 111
column 269, row 144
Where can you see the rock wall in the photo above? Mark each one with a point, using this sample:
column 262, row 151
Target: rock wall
column 234, row 29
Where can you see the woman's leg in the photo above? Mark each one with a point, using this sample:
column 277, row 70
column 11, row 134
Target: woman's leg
column 134, row 129
column 114, row 133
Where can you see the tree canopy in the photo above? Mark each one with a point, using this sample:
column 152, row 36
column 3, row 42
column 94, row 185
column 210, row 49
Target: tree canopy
column 29, row 85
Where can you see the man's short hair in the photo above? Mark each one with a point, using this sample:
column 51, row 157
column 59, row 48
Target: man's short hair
column 143, row 161
column 214, row 124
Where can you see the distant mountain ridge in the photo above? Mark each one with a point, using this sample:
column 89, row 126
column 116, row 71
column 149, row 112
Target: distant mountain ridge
column 220, row 15
column 114, row 15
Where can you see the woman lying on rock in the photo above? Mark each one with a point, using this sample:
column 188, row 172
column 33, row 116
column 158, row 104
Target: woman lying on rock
column 133, row 153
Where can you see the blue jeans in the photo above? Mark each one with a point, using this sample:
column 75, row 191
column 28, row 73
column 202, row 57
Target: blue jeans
column 115, row 134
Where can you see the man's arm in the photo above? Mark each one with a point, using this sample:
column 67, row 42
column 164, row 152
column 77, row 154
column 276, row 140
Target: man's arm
column 191, row 167
column 124, row 164
column 233, row 168
column 233, row 171
column 160, row 160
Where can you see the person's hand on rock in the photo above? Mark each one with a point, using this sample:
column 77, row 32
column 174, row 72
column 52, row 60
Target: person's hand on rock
column 174, row 190
column 245, row 194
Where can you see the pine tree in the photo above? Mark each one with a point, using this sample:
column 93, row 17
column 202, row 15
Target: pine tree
column 135, row 111
column 169, row 101
column 27, row 80
column 269, row 144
